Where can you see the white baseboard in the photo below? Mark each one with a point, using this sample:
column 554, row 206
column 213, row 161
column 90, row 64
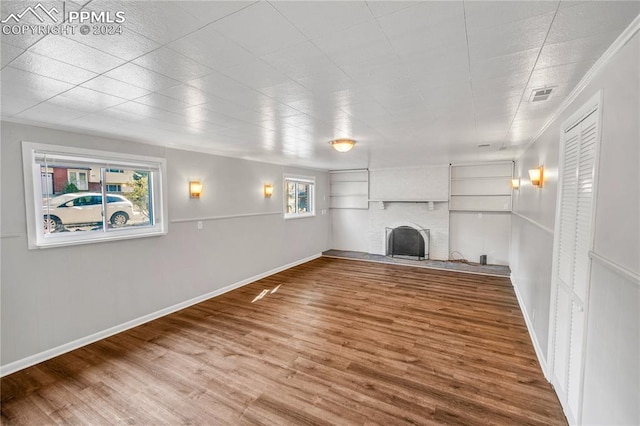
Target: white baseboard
column 532, row 333
column 78, row 343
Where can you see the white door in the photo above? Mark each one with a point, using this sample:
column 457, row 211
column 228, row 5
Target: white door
column 571, row 257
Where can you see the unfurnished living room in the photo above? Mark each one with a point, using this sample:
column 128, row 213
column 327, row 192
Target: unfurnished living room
column 320, row 212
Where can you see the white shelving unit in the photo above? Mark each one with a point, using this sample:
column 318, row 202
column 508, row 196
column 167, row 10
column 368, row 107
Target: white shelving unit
column 481, row 187
column 349, row 189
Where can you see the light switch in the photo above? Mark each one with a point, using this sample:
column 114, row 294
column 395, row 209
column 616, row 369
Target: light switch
column 199, row 224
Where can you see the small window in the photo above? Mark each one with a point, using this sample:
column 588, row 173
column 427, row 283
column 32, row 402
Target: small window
column 299, row 196
column 65, row 189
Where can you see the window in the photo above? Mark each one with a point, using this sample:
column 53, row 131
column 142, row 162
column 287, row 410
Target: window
column 78, row 178
column 300, row 197
column 69, row 201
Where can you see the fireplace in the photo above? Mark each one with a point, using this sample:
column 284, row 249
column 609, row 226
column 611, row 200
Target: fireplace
column 407, row 241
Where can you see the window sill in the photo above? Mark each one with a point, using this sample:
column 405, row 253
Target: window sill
column 298, row 216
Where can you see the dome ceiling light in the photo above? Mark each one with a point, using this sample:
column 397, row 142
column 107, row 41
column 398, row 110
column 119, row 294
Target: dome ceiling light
column 342, row 145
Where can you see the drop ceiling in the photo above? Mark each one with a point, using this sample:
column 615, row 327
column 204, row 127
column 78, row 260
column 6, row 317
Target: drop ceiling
column 413, row 82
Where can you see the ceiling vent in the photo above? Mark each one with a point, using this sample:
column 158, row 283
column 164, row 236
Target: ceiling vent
column 539, row 95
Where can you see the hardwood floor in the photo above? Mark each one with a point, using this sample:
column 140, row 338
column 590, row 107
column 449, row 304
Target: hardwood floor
column 329, row 342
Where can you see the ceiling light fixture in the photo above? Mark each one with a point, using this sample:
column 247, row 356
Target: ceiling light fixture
column 342, row 145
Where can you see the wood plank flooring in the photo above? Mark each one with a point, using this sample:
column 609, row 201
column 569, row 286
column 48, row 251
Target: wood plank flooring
column 330, row 342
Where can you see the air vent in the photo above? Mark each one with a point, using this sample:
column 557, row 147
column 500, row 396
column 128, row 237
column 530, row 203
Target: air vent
column 484, row 145
column 539, row 95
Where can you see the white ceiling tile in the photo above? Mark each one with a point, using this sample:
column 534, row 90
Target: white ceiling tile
column 589, row 18
column 224, row 87
column 172, row 64
column 221, row 107
column 47, row 112
column 423, row 16
column 98, row 99
column 142, row 77
column 128, row 45
column 166, row 103
column 377, row 72
column 76, row 54
column 299, row 60
column 486, row 14
column 52, row 68
column 361, row 43
column 210, row 11
column 160, row 21
column 332, row 80
column 509, row 38
column 287, row 92
column 135, row 109
column 122, row 113
column 27, row 89
column 269, row 30
column 185, row 93
column 381, row 8
column 114, row 87
column 77, row 103
column 256, row 75
column 9, row 53
column 498, row 66
column 315, row 19
column 575, row 50
column 555, row 76
column 447, row 34
column 210, row 48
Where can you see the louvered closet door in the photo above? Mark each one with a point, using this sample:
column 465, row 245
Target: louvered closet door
column 572, row 260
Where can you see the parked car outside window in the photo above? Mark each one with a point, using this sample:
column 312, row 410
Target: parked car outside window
column 85, row 208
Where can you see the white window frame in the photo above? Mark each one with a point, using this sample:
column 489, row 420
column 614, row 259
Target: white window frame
column 33, row 194
column 311, row 180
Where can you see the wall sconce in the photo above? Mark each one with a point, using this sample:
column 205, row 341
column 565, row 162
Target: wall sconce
column 537, row 176
column 268, row 190
column 515, row 183
column 195, row 189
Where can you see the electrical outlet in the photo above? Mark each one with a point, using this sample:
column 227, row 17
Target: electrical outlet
column 200, row 224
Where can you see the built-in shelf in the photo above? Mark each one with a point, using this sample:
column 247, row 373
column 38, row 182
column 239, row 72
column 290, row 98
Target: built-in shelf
column 349, row 189
column 481, row 187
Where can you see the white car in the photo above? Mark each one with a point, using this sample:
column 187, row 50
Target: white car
column 85, row 208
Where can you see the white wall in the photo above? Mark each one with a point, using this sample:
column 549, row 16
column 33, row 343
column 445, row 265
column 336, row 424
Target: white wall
column 473, row 234
column 51, row 297
column 364, row 230
column 612, row 362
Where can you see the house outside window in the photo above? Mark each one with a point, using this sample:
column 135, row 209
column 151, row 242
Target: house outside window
column 299, row 196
